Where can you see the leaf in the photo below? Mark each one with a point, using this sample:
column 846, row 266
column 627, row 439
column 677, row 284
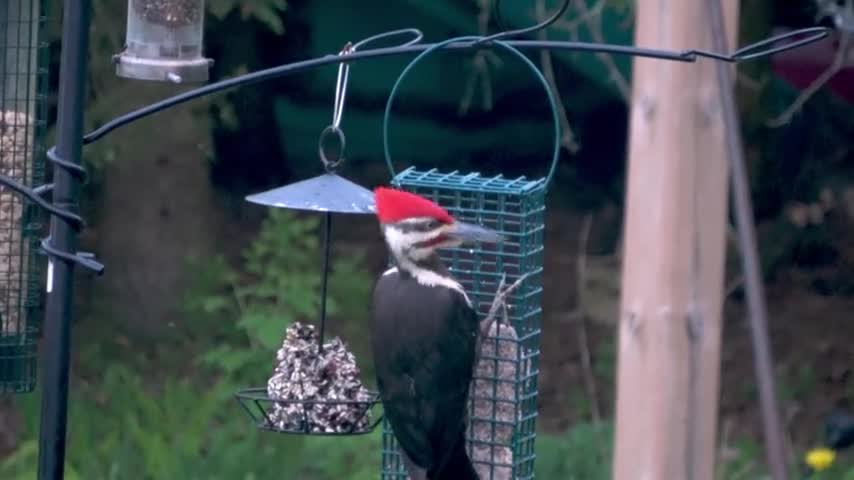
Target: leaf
column 214, row 304
column 266, row 329
column 270, row 17
column 221, row 8
column 228, row 359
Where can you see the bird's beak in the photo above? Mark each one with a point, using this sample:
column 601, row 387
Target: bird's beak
column 469, row 233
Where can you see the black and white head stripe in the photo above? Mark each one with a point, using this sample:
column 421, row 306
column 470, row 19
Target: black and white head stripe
column 417, row 224
column 414, row 240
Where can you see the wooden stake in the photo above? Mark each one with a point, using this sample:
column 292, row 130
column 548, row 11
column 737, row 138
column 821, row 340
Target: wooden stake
column 670, row 325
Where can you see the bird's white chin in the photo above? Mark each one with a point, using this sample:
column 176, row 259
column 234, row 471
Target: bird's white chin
column 420, row 254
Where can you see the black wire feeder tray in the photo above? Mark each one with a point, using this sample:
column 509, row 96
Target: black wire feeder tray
column 258, row 405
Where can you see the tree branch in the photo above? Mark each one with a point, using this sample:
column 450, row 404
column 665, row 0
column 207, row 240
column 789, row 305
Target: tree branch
column 480, row 64
column 591, row 17
column 583, row 342
column 499, row 302
column 845, row 48
column 567, row 139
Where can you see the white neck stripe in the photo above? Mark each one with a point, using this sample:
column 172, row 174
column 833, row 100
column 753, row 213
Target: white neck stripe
column 429, row 278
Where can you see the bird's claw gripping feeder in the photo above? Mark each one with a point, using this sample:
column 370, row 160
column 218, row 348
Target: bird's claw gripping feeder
column 503, row 397
column 164, row 42
column 315, row 388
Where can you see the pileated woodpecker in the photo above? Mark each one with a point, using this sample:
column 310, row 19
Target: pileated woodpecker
column 424, row 333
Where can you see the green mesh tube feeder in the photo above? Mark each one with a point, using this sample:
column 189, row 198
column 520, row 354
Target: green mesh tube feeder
column 503, row 398
column 23, row 82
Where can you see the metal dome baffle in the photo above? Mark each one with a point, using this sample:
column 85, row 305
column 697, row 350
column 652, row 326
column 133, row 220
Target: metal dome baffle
column 22, row 118
column 327, row 397
column 503, row 397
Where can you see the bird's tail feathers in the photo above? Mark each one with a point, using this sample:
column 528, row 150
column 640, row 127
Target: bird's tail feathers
column 459, row 465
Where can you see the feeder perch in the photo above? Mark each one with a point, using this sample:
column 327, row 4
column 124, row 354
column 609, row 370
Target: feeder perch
column 22, row 112
column 164, row 42
column 307, row 368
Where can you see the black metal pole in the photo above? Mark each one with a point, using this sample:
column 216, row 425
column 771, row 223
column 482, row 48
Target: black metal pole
column 758, row 312
column 324, row 279
column 56, row 345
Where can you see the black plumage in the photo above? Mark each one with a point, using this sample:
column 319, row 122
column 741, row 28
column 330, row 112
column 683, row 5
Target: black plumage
column 423, row 340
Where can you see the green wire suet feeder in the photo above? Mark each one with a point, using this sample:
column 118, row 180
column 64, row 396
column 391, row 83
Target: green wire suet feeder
column 22, row 119
column 315, row 389
column 503, row 396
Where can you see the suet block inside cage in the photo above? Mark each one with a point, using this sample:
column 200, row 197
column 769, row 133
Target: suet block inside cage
column 22, row 101
column 164, row 41
column 503, row 397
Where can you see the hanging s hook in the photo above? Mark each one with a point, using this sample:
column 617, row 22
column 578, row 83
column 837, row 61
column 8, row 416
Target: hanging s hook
column 341, row 86
column 337, row 111
column 334, row 129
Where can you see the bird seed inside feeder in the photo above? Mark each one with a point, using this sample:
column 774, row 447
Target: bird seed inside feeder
column 169, row 13
column 303, row 376
column 16, row 163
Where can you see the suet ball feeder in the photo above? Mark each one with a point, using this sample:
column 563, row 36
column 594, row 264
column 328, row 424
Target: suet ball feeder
column 304, row 395
column 315, row 389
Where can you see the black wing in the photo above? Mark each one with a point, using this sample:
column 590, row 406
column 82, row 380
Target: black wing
column 423, row 340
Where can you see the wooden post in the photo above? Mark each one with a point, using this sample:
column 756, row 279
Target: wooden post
column 670, row 309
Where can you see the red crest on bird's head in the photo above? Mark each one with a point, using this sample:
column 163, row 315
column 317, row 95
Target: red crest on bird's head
column 395, row 205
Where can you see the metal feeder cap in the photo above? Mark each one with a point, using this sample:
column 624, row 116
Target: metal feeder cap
column 324, row 193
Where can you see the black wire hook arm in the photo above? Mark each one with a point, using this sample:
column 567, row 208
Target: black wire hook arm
column 84, row 259
column 762, row 48
column 759, row 49
column 34, row 195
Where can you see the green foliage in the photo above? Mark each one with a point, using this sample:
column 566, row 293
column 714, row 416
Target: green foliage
column 835, row 472
column 120, row 429
column 583, row 453
column 744, row 463
column 265, row 11
column 123, row 426
column 278, row 283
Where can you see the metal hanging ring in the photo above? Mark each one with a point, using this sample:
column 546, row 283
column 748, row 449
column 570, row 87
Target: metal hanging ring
column 341, row 93
column 417, row 37
column 509, row 48
column 327, row 132
column 337, row 112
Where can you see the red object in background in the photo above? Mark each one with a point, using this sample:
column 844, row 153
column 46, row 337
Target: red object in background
column 801, row 66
